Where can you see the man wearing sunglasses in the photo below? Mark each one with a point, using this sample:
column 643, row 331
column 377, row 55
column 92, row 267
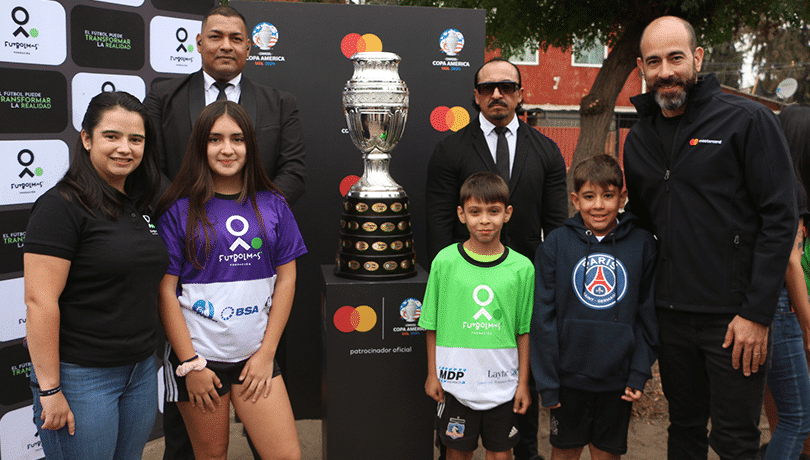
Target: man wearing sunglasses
column 530, row 163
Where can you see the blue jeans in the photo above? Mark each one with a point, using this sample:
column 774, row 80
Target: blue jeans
column 114, row 408
column 790, row 385
column 700, row 383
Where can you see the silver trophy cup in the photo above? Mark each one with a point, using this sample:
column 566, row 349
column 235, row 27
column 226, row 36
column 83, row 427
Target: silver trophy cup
column 376, row 239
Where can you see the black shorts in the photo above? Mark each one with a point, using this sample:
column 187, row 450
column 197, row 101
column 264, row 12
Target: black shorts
column 458, row 426
column 587, row 417
column 228, row 374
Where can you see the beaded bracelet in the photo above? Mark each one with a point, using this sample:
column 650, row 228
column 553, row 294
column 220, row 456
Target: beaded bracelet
column 52, row 391
column 197, row 363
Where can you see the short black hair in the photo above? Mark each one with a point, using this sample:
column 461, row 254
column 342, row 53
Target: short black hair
column 496, row 59
column 486, row 187
column 228, row 12
column 602, row 170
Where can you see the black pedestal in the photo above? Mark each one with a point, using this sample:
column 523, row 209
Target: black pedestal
column 374, row 371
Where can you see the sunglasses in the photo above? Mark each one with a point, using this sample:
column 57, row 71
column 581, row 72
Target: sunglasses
column 504, row 87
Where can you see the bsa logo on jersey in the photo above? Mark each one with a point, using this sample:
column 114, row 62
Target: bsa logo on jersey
column 605, row 281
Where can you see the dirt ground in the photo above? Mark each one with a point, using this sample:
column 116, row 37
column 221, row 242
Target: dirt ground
column 647, row 436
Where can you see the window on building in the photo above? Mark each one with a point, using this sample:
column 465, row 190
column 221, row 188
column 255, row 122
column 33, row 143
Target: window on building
column 529, row 55
column 592, row 56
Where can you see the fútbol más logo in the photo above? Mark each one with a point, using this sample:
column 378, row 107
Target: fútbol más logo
column 12, row 315
column 172, row 48
column 242, row 253
column 33, row 32
column 85, row 86
column 102, row 38
column 18, row 435
column 32, row 101
column 29, row 168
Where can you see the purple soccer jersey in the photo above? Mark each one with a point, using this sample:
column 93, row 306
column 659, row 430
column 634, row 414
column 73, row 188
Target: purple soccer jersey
column 226, row 304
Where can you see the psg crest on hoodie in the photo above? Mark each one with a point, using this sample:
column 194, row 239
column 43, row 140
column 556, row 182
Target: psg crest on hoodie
column 600, row 280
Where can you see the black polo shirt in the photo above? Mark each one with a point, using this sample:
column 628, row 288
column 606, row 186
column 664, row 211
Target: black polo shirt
column 109, row 314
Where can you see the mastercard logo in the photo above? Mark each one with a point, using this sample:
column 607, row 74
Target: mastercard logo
column 356, row 43
column 693, row 142
column 346, row 184
column 444, row 118
column 361, row 319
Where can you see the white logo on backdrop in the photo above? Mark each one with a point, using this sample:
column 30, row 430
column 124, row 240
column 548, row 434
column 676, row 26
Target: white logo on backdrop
column 18, row 436
column 85, row 86
column 33, row 32
column 29, row 168
column 124, row 2
column 172, row 45
column 12, row 315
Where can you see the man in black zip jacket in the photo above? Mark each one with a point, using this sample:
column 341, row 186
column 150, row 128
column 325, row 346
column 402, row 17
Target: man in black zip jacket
column 710, row 175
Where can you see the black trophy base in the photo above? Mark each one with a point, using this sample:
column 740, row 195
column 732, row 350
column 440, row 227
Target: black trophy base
column 376, row 242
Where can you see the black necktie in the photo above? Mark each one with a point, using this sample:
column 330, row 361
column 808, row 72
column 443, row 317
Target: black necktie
column 502, row 154
column 221, row 87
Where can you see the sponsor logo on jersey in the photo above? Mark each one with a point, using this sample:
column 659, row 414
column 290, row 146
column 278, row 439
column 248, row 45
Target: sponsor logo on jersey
column 455, row 428
column 451, row 374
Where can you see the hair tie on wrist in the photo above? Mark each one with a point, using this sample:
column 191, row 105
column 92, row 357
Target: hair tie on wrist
column 197, row 363
column 52, row 391
column 190, row 359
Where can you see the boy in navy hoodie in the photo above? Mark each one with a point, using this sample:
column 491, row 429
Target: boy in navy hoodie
column 594, row 331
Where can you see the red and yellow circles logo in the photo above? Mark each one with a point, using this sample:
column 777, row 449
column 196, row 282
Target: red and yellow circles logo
column 346, row 184
column 361, row 319
column 693, row 142
column 443, row 118
column 356, row 43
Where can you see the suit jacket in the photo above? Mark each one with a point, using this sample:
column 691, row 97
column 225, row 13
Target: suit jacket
column 537, row 189
column 175, row 104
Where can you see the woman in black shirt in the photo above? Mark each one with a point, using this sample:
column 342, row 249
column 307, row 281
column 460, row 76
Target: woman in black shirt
column 93, row 262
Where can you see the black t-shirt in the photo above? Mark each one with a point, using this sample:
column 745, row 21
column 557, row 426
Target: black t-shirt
column 108, row 308
column 667, row 127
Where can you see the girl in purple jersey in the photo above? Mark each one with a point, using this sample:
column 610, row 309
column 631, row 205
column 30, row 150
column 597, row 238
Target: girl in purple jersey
column 228, row 291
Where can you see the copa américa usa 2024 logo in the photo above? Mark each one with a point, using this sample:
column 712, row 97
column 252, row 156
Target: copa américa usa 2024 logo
column 451, row 42
column 605, row 281
column 265, row 36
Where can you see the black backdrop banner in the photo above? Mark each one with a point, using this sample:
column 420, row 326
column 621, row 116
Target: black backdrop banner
column 310, row 59
column 56, row 55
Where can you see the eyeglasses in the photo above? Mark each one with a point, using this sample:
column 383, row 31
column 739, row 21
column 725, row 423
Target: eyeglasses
column 504, row 87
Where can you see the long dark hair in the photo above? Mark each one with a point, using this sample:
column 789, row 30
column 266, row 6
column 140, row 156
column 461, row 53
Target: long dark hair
column 795, row 120
column 82, row 181
column 195, row 179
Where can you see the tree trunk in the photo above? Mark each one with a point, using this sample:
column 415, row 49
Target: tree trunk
column 597, row 108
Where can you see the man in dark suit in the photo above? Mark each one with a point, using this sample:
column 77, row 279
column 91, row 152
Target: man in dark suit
column 498, row 141
column 174, row 105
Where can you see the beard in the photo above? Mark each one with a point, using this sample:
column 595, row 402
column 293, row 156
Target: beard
column 678, row 99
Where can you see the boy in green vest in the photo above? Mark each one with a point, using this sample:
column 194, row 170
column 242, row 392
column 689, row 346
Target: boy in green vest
column 477, row 310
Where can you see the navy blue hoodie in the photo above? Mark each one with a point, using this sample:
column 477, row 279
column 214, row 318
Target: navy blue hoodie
column 596, row 332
